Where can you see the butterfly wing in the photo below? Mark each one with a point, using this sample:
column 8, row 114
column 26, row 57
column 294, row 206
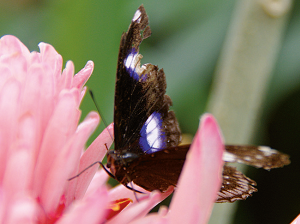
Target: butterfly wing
column 142, row 120
column 162, row 168
column 257, row 156
column 235, row 185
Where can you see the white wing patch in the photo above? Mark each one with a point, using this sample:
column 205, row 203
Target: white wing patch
column 153, row 131
column 137, row 16
column 130, row 61
column 152, row 139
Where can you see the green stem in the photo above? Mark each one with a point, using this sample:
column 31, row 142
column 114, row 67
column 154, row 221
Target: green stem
column 243, row 74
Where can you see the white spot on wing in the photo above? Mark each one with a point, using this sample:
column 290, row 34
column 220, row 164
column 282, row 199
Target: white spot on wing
column 137, row 16
column 267, row 151
column 129, row 61
column 259, row 157
column 153, row 131
column 247, row 158
column 229, row 157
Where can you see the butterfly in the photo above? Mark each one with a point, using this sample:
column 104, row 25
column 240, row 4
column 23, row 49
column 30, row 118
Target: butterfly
column 147, row 134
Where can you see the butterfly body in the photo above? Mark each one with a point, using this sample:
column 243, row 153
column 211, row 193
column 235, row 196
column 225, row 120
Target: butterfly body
column 147, row 134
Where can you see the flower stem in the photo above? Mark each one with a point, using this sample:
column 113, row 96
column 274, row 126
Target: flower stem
column 243, row 73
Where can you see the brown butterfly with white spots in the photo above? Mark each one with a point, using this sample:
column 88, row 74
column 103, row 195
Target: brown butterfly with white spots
column 147, row 134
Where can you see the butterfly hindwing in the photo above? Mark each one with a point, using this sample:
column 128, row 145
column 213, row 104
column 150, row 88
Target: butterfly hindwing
column 162, row 168
column 235, row 185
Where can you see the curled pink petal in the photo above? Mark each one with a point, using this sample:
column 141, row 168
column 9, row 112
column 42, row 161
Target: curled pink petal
column 200, row 179
column 95, row 152
column 83, row 75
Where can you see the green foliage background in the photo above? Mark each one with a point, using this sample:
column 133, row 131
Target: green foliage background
column 186, row 40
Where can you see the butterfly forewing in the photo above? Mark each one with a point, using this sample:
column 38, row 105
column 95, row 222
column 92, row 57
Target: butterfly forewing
column 142, row 120
column 143, row 123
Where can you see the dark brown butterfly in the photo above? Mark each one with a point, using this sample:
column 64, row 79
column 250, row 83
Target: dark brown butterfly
column 147, row 133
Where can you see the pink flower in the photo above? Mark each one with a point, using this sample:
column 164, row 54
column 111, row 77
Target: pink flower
column 40, row 140
column 42, row 145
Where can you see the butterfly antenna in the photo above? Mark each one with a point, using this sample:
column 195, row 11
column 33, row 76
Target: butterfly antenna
column 98, row 162
column 98, row 109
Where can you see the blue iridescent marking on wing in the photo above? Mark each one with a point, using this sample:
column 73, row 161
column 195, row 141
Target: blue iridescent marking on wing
column 130, row 64
column 152, row 136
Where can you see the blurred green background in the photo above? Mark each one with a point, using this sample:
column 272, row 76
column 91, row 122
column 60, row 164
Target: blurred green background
column 186, row 41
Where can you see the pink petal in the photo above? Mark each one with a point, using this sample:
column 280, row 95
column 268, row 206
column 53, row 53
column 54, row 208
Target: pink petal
column 23, row 210
column 91, row 209
column 137, row 210
column 60, row 128
column 82, row 93
column 9, row 99
column 83, row 75
column 20, row 155
column 154, row 218
column 16, row 179
column 200, row 179
column 30, row 98
column 10, row 45
column 64, row 164
column 17, row 64
column 47, row 98
column 66, row 78
column 121, row 191
column 5, row 73
column 73, row 184
column 50, row 56
column 3, row 205
column 95, row 152
column 31, row 103
column 100, row 178
column 296, row 220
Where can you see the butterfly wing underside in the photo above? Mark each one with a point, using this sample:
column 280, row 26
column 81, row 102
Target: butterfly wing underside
column 142, row 120
column 164, row 167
